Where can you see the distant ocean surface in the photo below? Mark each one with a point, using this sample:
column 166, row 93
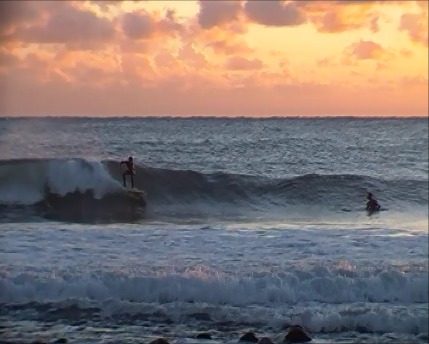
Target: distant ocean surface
column 249, row 225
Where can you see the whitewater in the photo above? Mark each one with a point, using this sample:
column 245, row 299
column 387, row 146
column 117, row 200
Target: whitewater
column 245, row 225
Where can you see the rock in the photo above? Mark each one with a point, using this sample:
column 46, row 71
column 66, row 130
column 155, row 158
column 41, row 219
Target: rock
column 61, row 341
column 248, row 337
column 296, row 334
column 423, row 336
column 203, row 335
column 159, row 341
column 265, row 340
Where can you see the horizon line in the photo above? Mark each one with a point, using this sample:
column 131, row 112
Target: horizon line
column 212, row 117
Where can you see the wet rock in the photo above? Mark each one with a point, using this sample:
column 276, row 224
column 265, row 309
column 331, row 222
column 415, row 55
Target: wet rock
column 265, row 340
column 296, row 334
column 362, row 329
column 159, row 341
column 423, row 336
column 249, row 337
column 61, row 341
column 203, row 335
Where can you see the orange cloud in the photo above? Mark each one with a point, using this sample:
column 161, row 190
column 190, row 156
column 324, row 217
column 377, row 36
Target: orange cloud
column 364, row 50
column 189, row 55
column 241, row 63
column 8, row 59
column 340, row 16
column 228, row 48
column 201, row 95
column 416, row 26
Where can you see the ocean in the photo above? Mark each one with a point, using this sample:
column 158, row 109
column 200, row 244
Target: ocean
column 247, row 225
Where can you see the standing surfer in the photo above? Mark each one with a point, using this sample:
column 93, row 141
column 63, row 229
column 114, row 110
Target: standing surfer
column 372, row 204
column 131, row 171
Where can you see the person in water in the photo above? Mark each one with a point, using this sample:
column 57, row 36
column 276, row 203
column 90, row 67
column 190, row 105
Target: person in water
column 372, row 204
column 131, row 171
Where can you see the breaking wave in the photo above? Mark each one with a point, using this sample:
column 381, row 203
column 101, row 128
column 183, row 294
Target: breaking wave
column 78, row 189
column 341, row 300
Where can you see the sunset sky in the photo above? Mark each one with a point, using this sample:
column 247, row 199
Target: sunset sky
column 227, row 58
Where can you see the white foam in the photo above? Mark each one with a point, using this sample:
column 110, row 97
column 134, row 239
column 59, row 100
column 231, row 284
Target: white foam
column 80, row 175
column 266, row 299
column 25, row 183
column 289, row 287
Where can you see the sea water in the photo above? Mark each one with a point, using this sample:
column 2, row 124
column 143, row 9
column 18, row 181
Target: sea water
column 247, row 225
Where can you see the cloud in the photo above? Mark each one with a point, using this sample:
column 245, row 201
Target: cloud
column 228, row 48
column 68, row 24
column 414, row 81
column 364, row 50
column 336, row 21
column 216, row 13
column 416, row 26
column 7, row 59
column 189, row 55
column 341, row 16
column 138, row 25
column 105, row 6
column 201, row 97
column 13, row 13
column 241, row 63
column 274, row 13
column 142, row 25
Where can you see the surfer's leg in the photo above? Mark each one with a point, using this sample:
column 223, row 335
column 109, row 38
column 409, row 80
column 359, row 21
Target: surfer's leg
column 132, row 181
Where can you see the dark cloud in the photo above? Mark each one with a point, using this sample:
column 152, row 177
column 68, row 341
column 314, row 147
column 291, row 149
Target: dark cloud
column 142, row 25
column 16, row 12
column 68, row 25
column 138, row 25
column 274, row 13
column 214, row 13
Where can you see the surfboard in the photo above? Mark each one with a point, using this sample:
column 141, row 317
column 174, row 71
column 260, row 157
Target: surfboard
column 136, row 191
column 136, row 194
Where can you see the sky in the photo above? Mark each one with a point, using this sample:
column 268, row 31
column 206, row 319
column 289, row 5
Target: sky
column 214, row 58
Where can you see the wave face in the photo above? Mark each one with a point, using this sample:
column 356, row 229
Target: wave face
column 67, row 189
column 82, row 190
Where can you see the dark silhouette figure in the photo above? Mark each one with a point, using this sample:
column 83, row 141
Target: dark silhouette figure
column 131, row 171
column 372, row 204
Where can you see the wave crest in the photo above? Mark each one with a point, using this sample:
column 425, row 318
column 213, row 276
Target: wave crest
column 78, row 185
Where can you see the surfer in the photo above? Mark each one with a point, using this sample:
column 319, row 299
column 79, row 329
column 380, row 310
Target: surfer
column 131, row 171
column 372, row 204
